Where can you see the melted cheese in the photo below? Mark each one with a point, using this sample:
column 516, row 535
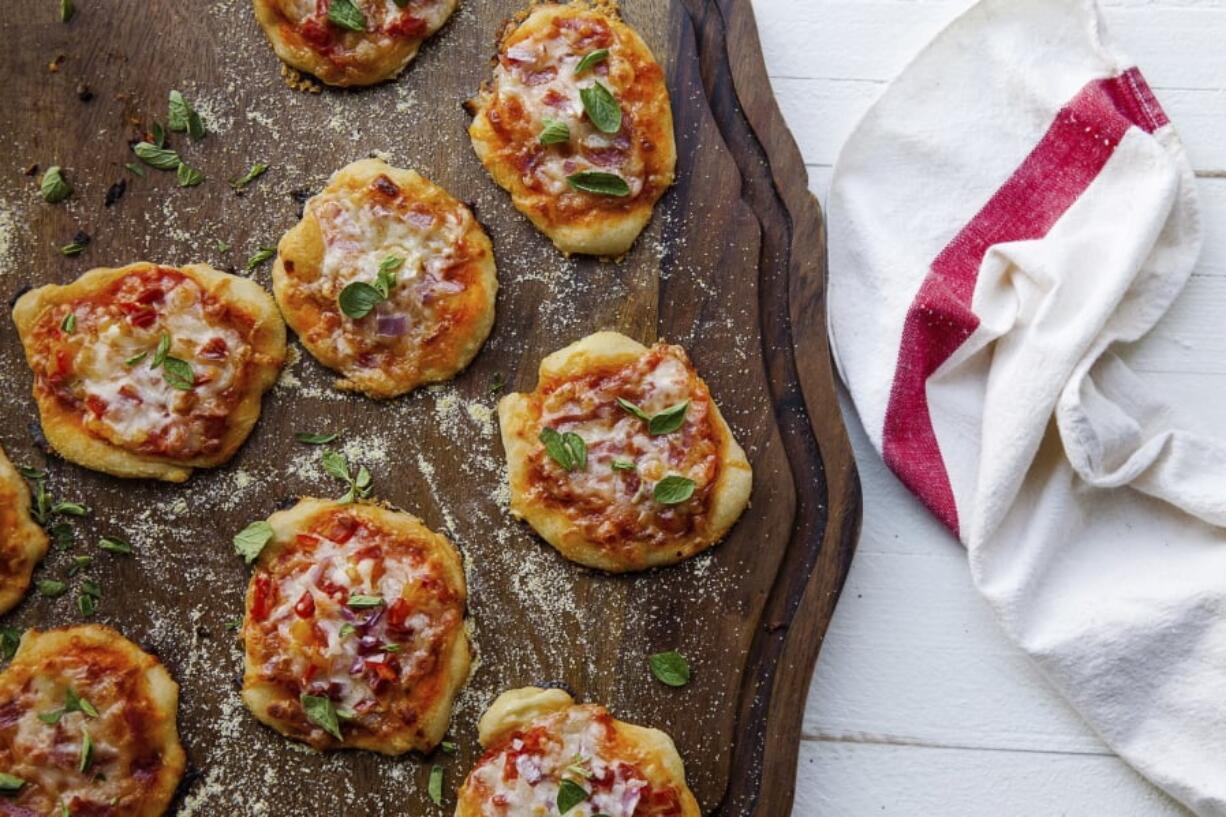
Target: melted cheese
column 342, row 656
column 359, row 233
column 577, row 742
column 611, row 435
column 539, row 73
column 378, row 13
column 139, row 401
column 47, row 756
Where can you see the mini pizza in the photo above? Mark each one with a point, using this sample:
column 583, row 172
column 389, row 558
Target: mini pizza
column 150, row 371
column 576, row 125
column 354, row 630
column 545, row 755
column 22, row 543
column 87, row 727
column 350, row 42
column 620, row 459
column 387, row 279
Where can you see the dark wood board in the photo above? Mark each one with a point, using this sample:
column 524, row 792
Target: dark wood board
column 732, row 267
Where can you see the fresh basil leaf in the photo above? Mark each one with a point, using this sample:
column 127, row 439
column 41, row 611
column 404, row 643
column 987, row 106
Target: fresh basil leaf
column 113, row 545
column 79, row 563
column 622, row 464
column 91, row 588
column 448, row 746
column 670, row 668
column 554, row 132
column 247, row 178
column 673, row 490
column 159, row 135
column 391, row 264
column 346, row 15
column 362, row 481
column 601, row 108
column 51, row 588
column 54, row 187
column 67, row 10
column 321, row 712
column 497, row 385
column 10, row 640
column 250, row 541
column 570, row 794
column 132, row 361
column 599, row 183
column 62, row 534
column 346, row 630
column 31, row 473
column 75, row 703
column 633, row 409
column 156, row 157
column 178, row 374
column 72, row 248
column 315, row 439
column 70, row 509
column 69, row 324
column 669, row 420
column 557, row 449
column 87, row 752
column 135, row 169
column 163, row 348
column 590, row 59
column 188, row 176
column 51, row 718
column 435, row 787
column 87, row 605
column 182, row 117
column 261, row 255
column 361, row 602
column 577, row 448
column 222, row 246
column 358, row 299
column 335, row 465
column 10, row 783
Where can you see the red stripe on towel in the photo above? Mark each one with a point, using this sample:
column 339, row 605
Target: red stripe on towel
column 1065, row 162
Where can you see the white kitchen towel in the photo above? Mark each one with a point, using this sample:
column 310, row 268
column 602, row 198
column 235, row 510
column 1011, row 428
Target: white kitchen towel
column 1015, row 209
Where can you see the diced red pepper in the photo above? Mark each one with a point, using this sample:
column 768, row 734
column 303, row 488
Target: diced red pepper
column 305, row 608
column 261, row 598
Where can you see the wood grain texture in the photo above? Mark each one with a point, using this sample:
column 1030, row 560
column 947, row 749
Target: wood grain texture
column 732, row 267
column 918, row 694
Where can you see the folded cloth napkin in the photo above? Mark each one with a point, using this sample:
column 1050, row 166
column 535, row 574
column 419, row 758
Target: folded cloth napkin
column 1016, row 205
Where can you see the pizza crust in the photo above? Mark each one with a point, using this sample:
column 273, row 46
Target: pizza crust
column 518, row 710
column 519, row 419
column 358, row 58
column 62, row 427
column 300, row 259
column 265, row 698
column 22, row 542
column 132, row 691
column 596, row 225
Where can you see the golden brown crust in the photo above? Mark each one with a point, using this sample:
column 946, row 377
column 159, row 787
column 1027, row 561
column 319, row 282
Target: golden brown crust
column 509, row 112
column 536, row 738
column 400, row 666
column 443, row 296
column 304, row 38
column 566, row 509
column 134, row 762
column 22, row 543
column 248, row 310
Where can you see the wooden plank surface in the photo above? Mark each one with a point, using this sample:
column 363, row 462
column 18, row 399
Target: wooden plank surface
column 732, row 243
column 919, row 704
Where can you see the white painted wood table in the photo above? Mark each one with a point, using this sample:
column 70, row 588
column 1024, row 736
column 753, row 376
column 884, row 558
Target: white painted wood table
column 920, row 705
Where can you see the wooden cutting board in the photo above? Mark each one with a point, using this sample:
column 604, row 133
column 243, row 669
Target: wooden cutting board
column 732, row 267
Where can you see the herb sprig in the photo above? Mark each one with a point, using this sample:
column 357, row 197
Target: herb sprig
column 336, row 465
